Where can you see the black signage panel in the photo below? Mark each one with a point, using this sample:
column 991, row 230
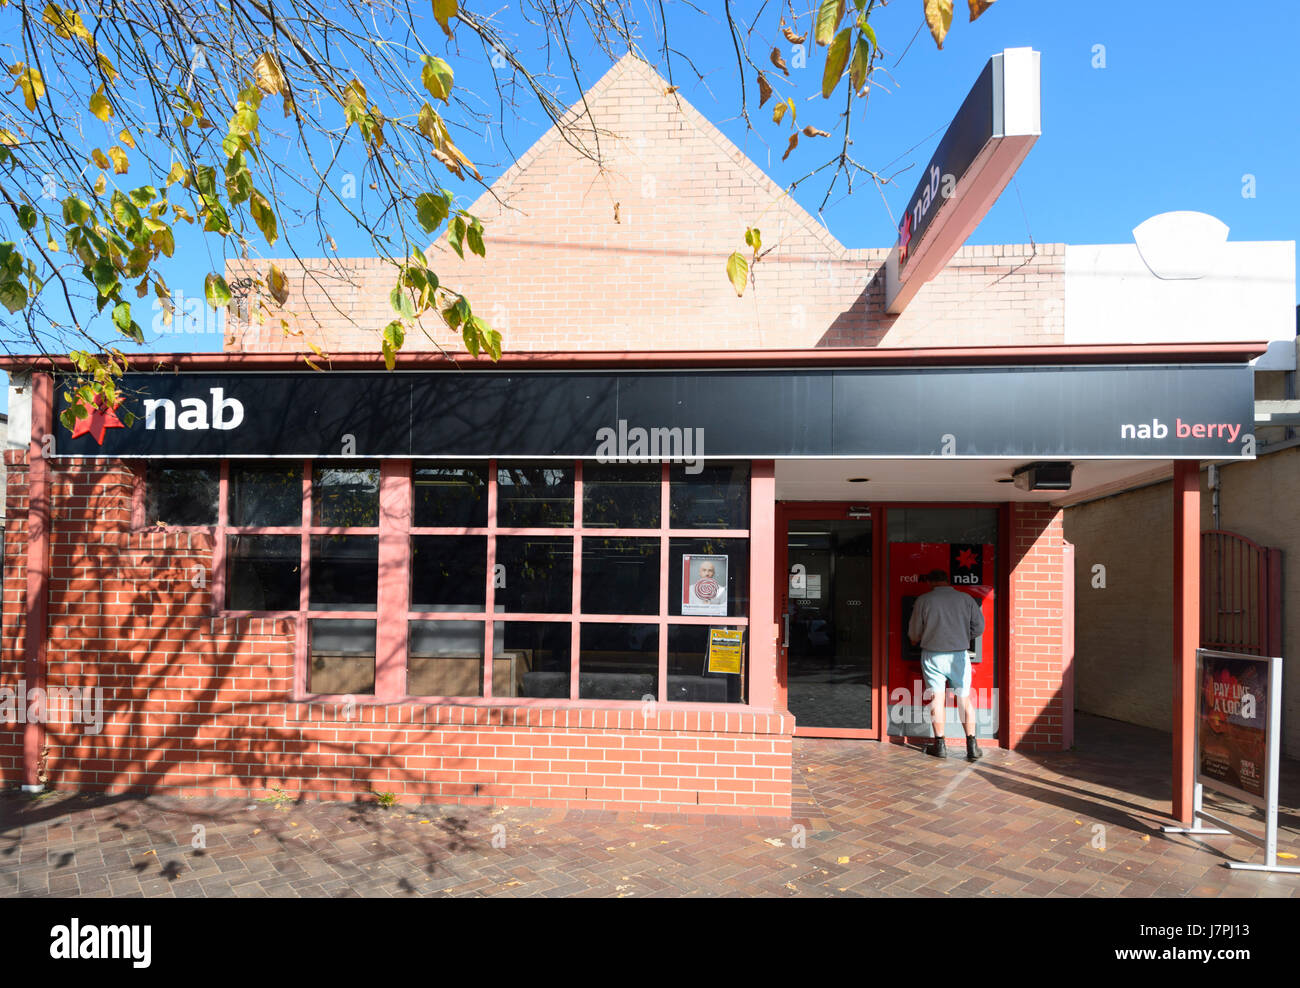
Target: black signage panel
column 970, row 130
column 1160, row 412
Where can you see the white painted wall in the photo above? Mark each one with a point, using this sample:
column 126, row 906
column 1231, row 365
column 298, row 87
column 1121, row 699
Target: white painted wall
column 1221, row 292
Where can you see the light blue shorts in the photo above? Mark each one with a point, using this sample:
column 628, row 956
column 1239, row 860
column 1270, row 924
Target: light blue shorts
column 940, row 667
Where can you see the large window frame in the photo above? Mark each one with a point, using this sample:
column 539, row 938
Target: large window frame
column 394, row 612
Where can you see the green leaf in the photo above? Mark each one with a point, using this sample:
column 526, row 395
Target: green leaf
column 216, row 290
column 836, row 58
column 870, row 33
column 124, row 211
column 205, row 180
column 263, row 216
column 437, row 77
column 76, row 212
column 13, row 296
column 431, row 210
column 738, row 272
column 474, row 236
column 26, row 216
column 753, row 238
column 860, row 64
column 829, row 15
column 164, row 241
column 122, row 317
column 401, row 302
column 104, row 276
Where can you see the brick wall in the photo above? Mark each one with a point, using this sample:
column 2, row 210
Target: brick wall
column 1037, row 625
column 196, row 705
column 631, row 256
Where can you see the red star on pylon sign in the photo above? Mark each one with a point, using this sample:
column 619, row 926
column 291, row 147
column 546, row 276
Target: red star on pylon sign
column 101, row 417
column 966, row 559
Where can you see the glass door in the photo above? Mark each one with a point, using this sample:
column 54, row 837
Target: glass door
column 825, row 603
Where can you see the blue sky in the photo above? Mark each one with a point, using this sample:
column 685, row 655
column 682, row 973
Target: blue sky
column 1193, row 98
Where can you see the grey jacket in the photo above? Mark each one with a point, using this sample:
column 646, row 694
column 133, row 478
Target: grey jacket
column 945, row 620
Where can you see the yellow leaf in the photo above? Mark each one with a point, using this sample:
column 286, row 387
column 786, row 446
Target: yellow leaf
column 938, row 15
column 119, row 160
column 31, row 83
column 978, row 7
column 106, row 67
column 125, row 137
column 1280, row 854
column 100, row 106
column 829, row 16
column 778, row 112
column 100, row 158
column 267, row 74
column 67, row 24
column 176, row 174
column 278, row 284
column 9, row 137
column 443, row 12
column 737, row 272
column 101, row 184
column 837, row 56
column 841, row 860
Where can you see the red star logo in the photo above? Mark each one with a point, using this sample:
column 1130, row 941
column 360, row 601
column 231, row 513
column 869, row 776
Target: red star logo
column 966, row 559
column 904, row 238
column 101, row 418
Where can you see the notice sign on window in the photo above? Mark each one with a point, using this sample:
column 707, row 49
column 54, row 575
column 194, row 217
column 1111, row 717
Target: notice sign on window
column 726, row 650
column 704, row 585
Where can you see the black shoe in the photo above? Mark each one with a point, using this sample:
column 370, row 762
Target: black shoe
column 973, row 752
column 938, row 748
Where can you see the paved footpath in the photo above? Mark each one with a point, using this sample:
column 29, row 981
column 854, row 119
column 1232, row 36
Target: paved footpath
column 869, row 819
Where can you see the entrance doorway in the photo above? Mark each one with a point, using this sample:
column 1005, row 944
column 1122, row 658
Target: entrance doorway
column 827, row 618
column 847, row 579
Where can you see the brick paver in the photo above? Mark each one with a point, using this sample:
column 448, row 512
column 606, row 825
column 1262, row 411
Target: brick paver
column 869, row 819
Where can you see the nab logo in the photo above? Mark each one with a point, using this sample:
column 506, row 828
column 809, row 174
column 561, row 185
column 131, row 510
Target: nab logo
column 227, row 413
column 966, row 563
column 904, row 238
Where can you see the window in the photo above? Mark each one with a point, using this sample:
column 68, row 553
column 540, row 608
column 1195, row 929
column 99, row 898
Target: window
column 184, row 495
column 531, row 580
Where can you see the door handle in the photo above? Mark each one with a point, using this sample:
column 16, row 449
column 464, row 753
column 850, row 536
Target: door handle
column 786, row 643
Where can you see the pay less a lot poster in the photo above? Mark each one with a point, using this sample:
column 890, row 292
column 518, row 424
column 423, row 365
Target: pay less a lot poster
column 1233, row 718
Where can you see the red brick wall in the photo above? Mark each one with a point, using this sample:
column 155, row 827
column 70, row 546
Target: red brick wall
column 631, row 256
column 1037, row 627
column 196, row 704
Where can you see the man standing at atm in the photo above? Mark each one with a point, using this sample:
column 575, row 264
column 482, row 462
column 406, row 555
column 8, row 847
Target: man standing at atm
column 945, row 622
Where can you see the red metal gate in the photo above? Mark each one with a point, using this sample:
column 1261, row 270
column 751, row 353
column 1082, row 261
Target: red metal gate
column 1241, row 594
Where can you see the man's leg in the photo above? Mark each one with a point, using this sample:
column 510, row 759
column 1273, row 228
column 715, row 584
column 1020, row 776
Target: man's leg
column 967, row 714
column 937, row 713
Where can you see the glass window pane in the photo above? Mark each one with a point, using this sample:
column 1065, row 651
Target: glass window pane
column 735, row 594
column 618, row 662
column 265, row 494
column 262, row 572
column 181, row 495
column 535, row 495
column 448, row 572
column 449, row 496
column 621, row 496
column 534, row 574
column 717, row 496
column 689, row 679
column 344, row 572
column 345, row 496
column 533, row 658
column 342, row 657
column 620, row 576
column 445, row 658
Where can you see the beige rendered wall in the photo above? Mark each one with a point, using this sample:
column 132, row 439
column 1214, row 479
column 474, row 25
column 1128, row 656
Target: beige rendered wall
column 1123, row 637
column 1123, row 633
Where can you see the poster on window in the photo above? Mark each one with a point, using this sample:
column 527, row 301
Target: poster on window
column 1232, row 724
column 704, row 585
column 726, row 650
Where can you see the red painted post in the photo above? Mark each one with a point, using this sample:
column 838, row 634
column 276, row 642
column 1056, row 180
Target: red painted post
column 1187, row 623
column 394, row 591
column 762, row 589
column 38, row 569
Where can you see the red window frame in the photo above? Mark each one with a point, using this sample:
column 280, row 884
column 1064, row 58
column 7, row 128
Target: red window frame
column 393, row 613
